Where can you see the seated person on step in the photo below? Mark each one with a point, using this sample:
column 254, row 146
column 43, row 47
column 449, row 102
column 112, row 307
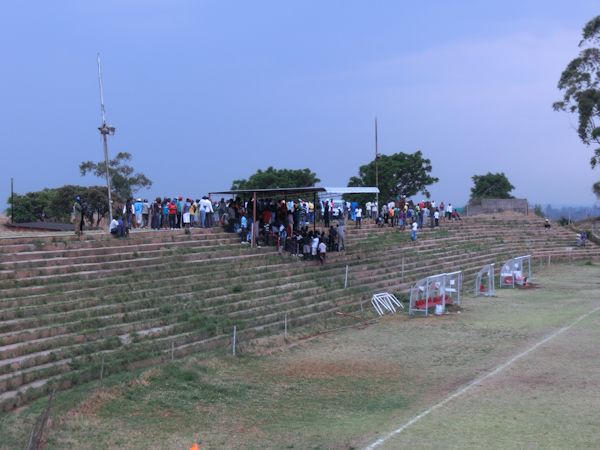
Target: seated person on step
column 117, row 227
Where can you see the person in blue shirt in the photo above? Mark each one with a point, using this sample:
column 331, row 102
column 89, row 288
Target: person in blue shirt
column 179, row 211
column 137, row 207
column 244, row 229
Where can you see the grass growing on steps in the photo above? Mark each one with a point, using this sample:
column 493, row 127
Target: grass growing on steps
column 345, row 389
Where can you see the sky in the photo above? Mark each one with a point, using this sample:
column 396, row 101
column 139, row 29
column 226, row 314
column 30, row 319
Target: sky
column 203, row 92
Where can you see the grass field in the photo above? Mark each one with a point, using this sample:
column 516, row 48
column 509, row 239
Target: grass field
column 346, row 389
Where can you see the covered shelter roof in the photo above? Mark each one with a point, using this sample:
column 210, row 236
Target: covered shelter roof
column 352, row 190
column 272, row 192
column 297, row 191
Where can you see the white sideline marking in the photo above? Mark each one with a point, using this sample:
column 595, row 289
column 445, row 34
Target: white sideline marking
column 478, row 380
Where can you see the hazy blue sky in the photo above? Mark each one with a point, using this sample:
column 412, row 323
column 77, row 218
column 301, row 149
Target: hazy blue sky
column 202, row 92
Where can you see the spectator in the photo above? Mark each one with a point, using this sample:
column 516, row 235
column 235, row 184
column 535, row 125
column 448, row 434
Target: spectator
column 243, row 229
column 314, row 246
column 282, row 238
column 449, row 211
column 117, row 227
column 332, row 238
column 77, row 216
column 322, row 252
column 156, row 213
column 137, row 207
column 165, row 213
column 172, row 214
column 179, row 205
column 194, row 214
column 341, row 236
column 145, row 213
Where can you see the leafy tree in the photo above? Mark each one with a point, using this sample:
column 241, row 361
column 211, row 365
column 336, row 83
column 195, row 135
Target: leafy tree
column 580, row 83
column 61, row 206
column 491, row 185
column 277, row 178
column 124, row 181
column 399, row 174
column 537, row 210
column 95, row 200
column 596, row 188
column 32, row 206
column 56, row 204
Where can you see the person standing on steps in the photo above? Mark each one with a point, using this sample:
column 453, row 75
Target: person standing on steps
column 179, row 204
column 243, row 229
column 358, row 213
column 138, row 205
column 413, row 233
column 341, row 234
column 172, row 214
column 449, row 211
column 322, row 249
column 77, row 215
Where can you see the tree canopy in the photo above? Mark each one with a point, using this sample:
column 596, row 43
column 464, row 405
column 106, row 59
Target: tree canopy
column 399, row 174
column 580, row 83
column 277, row 178
column 55, row 204
column 491, row 185
column 124, row 181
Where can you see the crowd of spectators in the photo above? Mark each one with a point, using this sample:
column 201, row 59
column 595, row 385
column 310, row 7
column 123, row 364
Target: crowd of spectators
column 284, row 223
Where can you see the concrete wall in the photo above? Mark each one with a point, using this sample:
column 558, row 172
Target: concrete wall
column 495, row 205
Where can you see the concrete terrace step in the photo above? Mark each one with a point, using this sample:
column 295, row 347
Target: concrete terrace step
column 101, row 270
column 94, row 251
column 87, row 261
column 45, row 355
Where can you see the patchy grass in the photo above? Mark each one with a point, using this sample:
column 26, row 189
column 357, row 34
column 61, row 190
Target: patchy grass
column 345, row 389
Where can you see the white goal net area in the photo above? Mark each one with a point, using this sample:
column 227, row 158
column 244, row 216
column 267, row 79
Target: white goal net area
column 484, row 281
column 435, row 291
column 516, row 271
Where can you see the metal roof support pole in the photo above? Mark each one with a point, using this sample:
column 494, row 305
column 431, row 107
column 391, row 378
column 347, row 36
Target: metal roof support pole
column 314, row 211
column 254, row 220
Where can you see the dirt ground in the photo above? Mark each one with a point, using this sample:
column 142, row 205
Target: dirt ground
column 347, row 389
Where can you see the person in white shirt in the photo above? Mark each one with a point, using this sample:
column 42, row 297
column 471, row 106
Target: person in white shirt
column 368, row 209
column 205, row 209
column 113, row 226
column 449, row 210
column 358, row 223
column 413, row 233
column 436, row 216
column 322, row 252
column 314, row 245
column 116, row 227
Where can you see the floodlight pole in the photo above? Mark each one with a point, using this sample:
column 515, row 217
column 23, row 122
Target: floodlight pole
column 105, row 130
column 376, row 168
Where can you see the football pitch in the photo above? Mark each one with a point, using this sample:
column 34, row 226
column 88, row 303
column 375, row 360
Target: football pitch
column 521, row 370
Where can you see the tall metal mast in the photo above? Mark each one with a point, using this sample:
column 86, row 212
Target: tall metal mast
column 105, row 130
column 376, row 168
